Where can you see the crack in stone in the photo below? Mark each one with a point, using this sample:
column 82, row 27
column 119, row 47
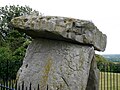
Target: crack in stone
column 65, row 82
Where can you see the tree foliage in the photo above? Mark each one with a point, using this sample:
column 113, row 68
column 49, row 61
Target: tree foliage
column 105, row 65
column 12, row 43
column 9, row 12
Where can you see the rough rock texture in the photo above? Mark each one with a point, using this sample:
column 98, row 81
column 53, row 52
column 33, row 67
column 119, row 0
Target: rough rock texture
column 61, row 56
column 56, row 65
column 93, row 80
column 61, row 28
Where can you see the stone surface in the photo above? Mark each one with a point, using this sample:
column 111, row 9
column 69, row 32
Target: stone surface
column 61, row 56
column 56, row 65
column 61, row 28
column 93, row 80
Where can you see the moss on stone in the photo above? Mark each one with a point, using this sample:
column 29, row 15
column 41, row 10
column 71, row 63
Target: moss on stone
column 46, row 71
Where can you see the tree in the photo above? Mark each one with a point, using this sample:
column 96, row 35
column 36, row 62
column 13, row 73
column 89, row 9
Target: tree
column 105, row 65
column 102, row 63
column 12, row 43
column 9, row 36
column 9, row 12
column 6, row 14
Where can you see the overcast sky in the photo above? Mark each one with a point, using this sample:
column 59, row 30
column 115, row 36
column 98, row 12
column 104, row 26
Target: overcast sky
column 105, row 14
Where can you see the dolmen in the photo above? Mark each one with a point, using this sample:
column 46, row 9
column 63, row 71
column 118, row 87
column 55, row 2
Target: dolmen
column 61, row 55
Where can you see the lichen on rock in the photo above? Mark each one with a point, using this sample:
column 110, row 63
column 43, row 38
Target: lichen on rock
column 61, row 55
column 57, row 65
column 61, row 28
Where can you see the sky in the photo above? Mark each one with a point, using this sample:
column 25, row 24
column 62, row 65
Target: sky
column 105, row 14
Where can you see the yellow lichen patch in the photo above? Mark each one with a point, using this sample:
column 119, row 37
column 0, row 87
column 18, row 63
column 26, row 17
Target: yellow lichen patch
column 46, row 71
column 59, row 29
column 18, row 22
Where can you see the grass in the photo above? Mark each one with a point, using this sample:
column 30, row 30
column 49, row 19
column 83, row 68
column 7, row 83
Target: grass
column 109, row 81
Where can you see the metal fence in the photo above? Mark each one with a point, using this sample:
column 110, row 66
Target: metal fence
column 8, row 85
column 12, row 85
column 109, row 77
column 8, row 70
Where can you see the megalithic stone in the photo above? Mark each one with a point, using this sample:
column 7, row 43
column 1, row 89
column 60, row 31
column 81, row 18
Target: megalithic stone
column 61, row 28
column 61, row 54
column 93, row 80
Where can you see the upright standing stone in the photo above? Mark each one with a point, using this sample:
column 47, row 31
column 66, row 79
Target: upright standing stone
column 93, row 80
column 56, row 64
column 61, row 56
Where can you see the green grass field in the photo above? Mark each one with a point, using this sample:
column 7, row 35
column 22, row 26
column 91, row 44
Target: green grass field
column 109, row 81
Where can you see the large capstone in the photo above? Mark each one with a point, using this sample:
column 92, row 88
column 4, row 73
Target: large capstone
column 61, row 28
column 61, row 55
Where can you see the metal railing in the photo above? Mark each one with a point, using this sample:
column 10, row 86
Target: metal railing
column 109, row 76
column 14, row 86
